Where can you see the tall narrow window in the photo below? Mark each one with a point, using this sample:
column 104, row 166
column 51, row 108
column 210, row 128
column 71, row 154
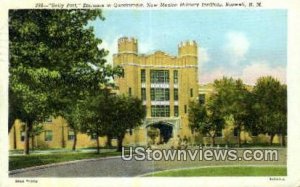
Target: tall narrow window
column 176, row 113
column 143, row 96
column 175, row 76
column 22, row 136
column 185, row 109
column 175, row 94
column 202, row 99
column 48, row 135
column 191, row 92
column 143, row 76
column 71, row 135
column 129, row 91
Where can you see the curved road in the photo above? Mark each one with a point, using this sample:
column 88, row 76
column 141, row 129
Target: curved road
column 116, row 167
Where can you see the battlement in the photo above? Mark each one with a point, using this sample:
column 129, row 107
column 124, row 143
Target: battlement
column 128, row 45
column 127, row 39
column 188, row 43
column 188, row 48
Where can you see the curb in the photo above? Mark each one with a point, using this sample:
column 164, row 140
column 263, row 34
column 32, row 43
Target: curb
column 16, row 171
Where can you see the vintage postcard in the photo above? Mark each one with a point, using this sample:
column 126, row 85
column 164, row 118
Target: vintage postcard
column 150, row 93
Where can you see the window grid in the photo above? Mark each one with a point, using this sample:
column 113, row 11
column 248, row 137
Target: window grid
column 160, row 111
column 159, row 76
column 160, row 94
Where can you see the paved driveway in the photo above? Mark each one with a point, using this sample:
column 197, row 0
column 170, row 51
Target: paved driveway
column 116, row 167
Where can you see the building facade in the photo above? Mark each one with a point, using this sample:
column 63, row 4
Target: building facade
column 165, row 83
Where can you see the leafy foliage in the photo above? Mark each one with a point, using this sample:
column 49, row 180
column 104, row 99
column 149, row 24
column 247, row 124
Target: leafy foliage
column 55, row 60
column 271, row 107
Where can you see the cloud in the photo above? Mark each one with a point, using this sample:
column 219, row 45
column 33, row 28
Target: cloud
column 261, row 68
column 203, row 56
column 146, row 46
column 112, row 47
column 236, row 47
column 209, row 77
column 249, row 74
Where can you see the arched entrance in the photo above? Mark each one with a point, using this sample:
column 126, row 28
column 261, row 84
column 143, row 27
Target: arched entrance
column 164, row 132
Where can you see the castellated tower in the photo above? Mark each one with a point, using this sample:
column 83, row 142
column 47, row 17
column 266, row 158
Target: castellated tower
column 127, row 56
column 128, row 45
column 188, row 49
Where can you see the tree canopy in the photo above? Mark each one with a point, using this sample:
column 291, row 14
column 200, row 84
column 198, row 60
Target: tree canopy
column 55, row 60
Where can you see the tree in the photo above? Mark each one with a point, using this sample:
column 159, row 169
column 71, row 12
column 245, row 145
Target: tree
column 271, row 106
column 97, row 109
column 126, row 114
column 232, row 100
column 153, row 133
column 54, row 59
column 205, row 119
column 37, row 129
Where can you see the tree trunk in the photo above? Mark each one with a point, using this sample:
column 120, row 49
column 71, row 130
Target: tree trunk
column 74, row 141
column 32, row 143
column 98, row 145
column 28, row 128
column 120, row 142
column 109, row 141
column 213, row 141
column 239, row 138
column 271, row 139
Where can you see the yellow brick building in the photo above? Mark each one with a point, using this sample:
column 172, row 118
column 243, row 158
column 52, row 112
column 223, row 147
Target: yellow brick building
column 165, row 83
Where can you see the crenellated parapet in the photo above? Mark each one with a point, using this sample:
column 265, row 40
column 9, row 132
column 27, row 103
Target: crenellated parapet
column 128, row 45
column 188, row 48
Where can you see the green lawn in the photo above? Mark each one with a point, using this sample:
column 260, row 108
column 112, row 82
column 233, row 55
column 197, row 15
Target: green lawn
column 225, row 171
column 23, row 161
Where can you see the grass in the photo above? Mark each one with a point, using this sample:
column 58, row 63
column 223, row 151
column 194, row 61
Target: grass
column 23, row 161
column 225, row 171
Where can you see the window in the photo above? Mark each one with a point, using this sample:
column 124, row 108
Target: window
column 94, row 136
column 175, row 94
column 176, row 112
column 235, row 132
column 254, row 132
column 22, row 136
column 143, row 76
column 143, row 92
column 160, row 94
column 129, row 91
column 202, row 99
column 219, row 132
column 160, row 111
column 71, row 135
column 175, row 76
column 48, row 135
column 191, row 92
column 159, row 76
column 185, row 109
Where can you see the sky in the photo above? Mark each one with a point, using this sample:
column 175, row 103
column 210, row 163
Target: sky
column 242, row 44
